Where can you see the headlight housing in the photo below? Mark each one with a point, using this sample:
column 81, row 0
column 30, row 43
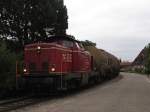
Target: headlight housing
column 24, row 70
column 53, row 69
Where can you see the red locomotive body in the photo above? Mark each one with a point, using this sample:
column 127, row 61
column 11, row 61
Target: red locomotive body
column 60, row 63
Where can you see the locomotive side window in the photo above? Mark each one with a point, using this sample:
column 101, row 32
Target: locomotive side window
column 68, row 44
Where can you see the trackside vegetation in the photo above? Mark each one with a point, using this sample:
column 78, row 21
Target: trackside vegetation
column 104, row 62
column 147, row 64
column 7, row 68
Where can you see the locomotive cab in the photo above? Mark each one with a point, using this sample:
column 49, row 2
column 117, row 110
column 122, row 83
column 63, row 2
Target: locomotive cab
column 47, row 58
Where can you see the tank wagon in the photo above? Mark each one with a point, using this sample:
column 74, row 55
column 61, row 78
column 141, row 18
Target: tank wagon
column 106, row 64
column 62, row 63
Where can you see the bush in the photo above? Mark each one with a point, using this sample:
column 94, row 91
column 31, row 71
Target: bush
column 147, row 64
column 103, row 61
column 7, row 67
column 138, row 70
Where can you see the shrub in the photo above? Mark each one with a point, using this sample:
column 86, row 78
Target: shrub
column 7, row 67
column 147, row 64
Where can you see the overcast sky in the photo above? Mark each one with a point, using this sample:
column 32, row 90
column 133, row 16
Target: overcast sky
column 121, row 27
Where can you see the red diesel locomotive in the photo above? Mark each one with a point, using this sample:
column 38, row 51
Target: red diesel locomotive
column 59, row 63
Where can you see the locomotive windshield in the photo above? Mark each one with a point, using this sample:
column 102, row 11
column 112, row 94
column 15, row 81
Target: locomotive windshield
column 68, row 44
column 61, row 41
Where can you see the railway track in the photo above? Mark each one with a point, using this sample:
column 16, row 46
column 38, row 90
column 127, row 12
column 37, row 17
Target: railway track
column 21, row 102
column 6, row 106
column 17, row 103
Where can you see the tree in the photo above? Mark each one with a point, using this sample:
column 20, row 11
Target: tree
column 147, row 64
column 88, row 43
column 27, row 21
column 7, row 67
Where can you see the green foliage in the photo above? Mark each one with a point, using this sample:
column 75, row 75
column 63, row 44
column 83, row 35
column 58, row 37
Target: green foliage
column 27, row 21
column 104, row 62
column 147, row 65
column 88, row 43
column 7, row 67
column 138, row 70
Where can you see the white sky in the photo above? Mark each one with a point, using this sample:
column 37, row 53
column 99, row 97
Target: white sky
column 121, row 27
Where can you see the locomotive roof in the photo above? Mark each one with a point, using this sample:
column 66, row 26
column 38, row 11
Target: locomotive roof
column 66, row 37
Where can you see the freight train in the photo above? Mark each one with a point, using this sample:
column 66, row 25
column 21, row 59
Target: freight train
column 63, row 62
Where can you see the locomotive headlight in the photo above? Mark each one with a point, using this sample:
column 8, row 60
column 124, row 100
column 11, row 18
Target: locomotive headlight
column 39, row 48
column 53, row 69
column 24, row 70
